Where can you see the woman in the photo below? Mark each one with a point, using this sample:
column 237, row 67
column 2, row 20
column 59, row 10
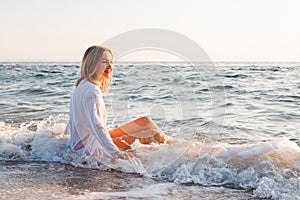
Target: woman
column 88, row 116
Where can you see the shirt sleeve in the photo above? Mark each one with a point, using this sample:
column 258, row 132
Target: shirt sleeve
column 96, row 121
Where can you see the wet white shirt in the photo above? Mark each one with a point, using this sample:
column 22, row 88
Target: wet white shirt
column 87, row 124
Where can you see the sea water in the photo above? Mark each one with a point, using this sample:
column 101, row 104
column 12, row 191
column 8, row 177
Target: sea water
column 236, row 130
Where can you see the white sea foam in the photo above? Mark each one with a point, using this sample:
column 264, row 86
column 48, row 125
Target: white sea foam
column 154, row 191
column 270, row 169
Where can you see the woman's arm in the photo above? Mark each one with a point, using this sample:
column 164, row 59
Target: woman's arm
column 96, row 121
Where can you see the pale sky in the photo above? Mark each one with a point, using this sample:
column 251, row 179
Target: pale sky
column 228, row 30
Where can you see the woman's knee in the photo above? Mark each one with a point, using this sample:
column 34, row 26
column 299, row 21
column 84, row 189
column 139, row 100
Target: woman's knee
column 143, row 121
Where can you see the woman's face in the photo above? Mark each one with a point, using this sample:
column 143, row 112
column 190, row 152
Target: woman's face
column 105, row 66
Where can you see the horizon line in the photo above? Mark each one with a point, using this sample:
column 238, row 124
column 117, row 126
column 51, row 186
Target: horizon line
column 219, row 61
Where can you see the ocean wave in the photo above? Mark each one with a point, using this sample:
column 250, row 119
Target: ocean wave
column 268, row 169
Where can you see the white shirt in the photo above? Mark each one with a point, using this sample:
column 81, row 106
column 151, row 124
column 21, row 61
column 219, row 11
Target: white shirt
column 87, row 123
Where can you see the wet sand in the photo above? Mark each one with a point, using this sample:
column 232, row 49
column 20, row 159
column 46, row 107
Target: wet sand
column 41, row 180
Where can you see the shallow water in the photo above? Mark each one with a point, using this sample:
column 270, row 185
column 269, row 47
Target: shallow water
column 236, row 128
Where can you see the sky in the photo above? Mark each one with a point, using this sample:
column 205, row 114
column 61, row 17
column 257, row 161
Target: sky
column 228, row 30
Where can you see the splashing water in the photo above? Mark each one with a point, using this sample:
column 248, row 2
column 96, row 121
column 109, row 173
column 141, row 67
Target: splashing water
column 269, row 169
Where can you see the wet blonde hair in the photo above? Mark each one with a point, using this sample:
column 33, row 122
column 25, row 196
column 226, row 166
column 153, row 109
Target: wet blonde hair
column 88, row 68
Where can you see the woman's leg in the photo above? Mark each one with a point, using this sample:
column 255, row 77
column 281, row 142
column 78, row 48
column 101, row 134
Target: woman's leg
column 143, row 129
column 123, row 142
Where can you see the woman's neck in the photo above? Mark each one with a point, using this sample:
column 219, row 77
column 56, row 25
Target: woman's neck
column 95, row 82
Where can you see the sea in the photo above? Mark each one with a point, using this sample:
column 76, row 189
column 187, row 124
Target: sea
column 236, row 130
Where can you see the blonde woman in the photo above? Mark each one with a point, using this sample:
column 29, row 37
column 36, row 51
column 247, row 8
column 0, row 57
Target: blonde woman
column 88, row 116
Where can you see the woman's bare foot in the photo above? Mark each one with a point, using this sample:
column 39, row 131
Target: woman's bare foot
column 160, row 137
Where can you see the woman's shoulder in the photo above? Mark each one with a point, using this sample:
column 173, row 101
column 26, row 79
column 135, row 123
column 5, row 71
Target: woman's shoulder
column 89, row 88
